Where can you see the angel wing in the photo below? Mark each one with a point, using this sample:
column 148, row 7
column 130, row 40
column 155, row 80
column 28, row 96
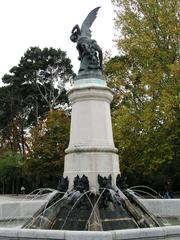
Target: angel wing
column 85, row 28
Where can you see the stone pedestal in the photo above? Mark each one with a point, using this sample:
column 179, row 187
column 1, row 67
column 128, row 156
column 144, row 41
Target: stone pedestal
column 91, row 149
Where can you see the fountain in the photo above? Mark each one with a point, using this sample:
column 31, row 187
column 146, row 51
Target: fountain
column 92, row 201
column 90, row 196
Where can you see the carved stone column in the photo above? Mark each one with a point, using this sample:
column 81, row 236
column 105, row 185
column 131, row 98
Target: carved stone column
column 91, row 149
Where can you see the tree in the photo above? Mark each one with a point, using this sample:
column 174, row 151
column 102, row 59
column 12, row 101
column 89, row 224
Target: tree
column 15, row 116
column 49, row 139
column 33, row 87
column 147, row 75
column 10, row 170
column 44, row 73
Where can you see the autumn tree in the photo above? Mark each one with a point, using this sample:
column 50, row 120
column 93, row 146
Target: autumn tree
column 146, row 78
column 49, row 139
column 34, row 86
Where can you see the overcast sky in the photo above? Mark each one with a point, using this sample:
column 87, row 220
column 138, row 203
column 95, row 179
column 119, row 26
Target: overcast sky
column 48, row 23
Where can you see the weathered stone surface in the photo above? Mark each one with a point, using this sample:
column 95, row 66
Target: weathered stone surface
column 91, row 149
column 10, row 211
column 91, row 164
column 40, row 234
column 77, row 235
column 172, row 233
column 163, row 207
column 19, row 209
column 146, row 233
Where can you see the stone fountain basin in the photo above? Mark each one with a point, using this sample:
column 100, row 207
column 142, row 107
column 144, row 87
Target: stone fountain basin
column 24, row 209
column 19, row 209
column 172, row 233
column 163, row 207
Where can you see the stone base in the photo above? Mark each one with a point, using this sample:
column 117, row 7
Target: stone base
column 95, row 73
column 91, row 164
column 172, row 232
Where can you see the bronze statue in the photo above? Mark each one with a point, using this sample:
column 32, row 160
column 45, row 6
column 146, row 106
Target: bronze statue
column 90, row 54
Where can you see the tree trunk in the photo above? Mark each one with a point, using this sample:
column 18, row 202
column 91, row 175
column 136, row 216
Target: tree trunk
column 13, row 187
column 23, row 142
column 3, row 190
column 36, row 108
column 17, row 186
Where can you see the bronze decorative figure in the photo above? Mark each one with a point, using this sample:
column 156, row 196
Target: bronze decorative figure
column 90, row 54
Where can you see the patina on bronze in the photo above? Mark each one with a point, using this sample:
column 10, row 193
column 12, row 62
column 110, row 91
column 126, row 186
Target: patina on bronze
column 90, row 54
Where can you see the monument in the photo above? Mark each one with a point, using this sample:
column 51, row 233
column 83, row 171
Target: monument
column 90, row 196
column 91, row 150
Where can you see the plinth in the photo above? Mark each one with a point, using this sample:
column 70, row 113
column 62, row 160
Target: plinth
column 91, row 151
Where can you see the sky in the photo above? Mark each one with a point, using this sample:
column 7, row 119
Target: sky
column 48, row 23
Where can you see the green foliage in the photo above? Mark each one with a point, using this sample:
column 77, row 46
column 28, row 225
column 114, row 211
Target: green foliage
column 30, row 82
column 10, row 170
column 10, row 164
column 146, row 80
column 49, row 139
column 35, row 86
column 35, row 60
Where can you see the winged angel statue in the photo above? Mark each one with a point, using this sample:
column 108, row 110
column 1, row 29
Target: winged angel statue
column 90, row 54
